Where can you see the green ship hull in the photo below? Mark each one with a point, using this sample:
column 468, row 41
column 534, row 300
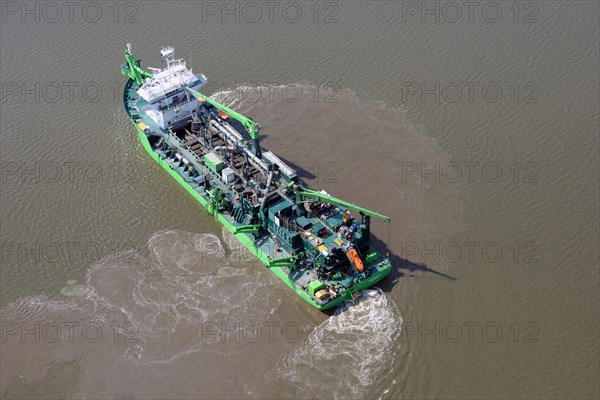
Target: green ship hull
column 277, row 231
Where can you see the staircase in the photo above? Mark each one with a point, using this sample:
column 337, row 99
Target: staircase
column 238, row 214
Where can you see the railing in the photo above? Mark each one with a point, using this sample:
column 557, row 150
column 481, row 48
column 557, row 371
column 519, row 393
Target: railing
column 193, row 158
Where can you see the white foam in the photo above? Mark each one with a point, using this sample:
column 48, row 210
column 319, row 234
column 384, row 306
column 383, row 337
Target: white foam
column 347, row 353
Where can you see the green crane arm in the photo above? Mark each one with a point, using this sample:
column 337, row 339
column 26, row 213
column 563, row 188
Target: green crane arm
column 282, row 262
column 312, row 194
column 251, row 126
column 133, row 70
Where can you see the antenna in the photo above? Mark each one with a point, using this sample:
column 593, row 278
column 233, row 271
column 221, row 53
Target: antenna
column 191, row 62
column 164, row 95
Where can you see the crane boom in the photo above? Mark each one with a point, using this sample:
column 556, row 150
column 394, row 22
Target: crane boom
column 312, row 194
column 251, row 126
column 132, row 69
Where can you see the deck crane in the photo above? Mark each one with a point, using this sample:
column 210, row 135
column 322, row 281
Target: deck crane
column 251, row 126
column 365, row 214
column 132, row 68
column 313, row 194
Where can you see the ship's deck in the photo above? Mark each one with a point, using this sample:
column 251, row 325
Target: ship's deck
column 320, row 232
column 134, row 106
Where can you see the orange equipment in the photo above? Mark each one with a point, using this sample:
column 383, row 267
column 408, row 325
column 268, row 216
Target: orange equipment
column 354, row 258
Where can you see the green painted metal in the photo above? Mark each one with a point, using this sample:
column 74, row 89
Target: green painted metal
column 371, row 257
column 211, row 160
column 315, row 286
column 216, row 198
column 133, row 70
column 313, row 194
column 251, row 126
column 247, row 229
column 283, row 262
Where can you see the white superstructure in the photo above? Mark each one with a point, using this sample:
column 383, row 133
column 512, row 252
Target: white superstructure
column 168, row 102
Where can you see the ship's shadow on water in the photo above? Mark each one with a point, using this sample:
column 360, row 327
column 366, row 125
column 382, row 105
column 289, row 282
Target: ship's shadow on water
column 402, row 267
column 301, row 172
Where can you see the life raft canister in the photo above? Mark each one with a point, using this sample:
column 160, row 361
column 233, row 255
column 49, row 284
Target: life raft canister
column 354, row 258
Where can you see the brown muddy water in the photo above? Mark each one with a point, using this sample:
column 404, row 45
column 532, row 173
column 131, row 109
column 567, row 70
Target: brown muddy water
column 473, row 125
